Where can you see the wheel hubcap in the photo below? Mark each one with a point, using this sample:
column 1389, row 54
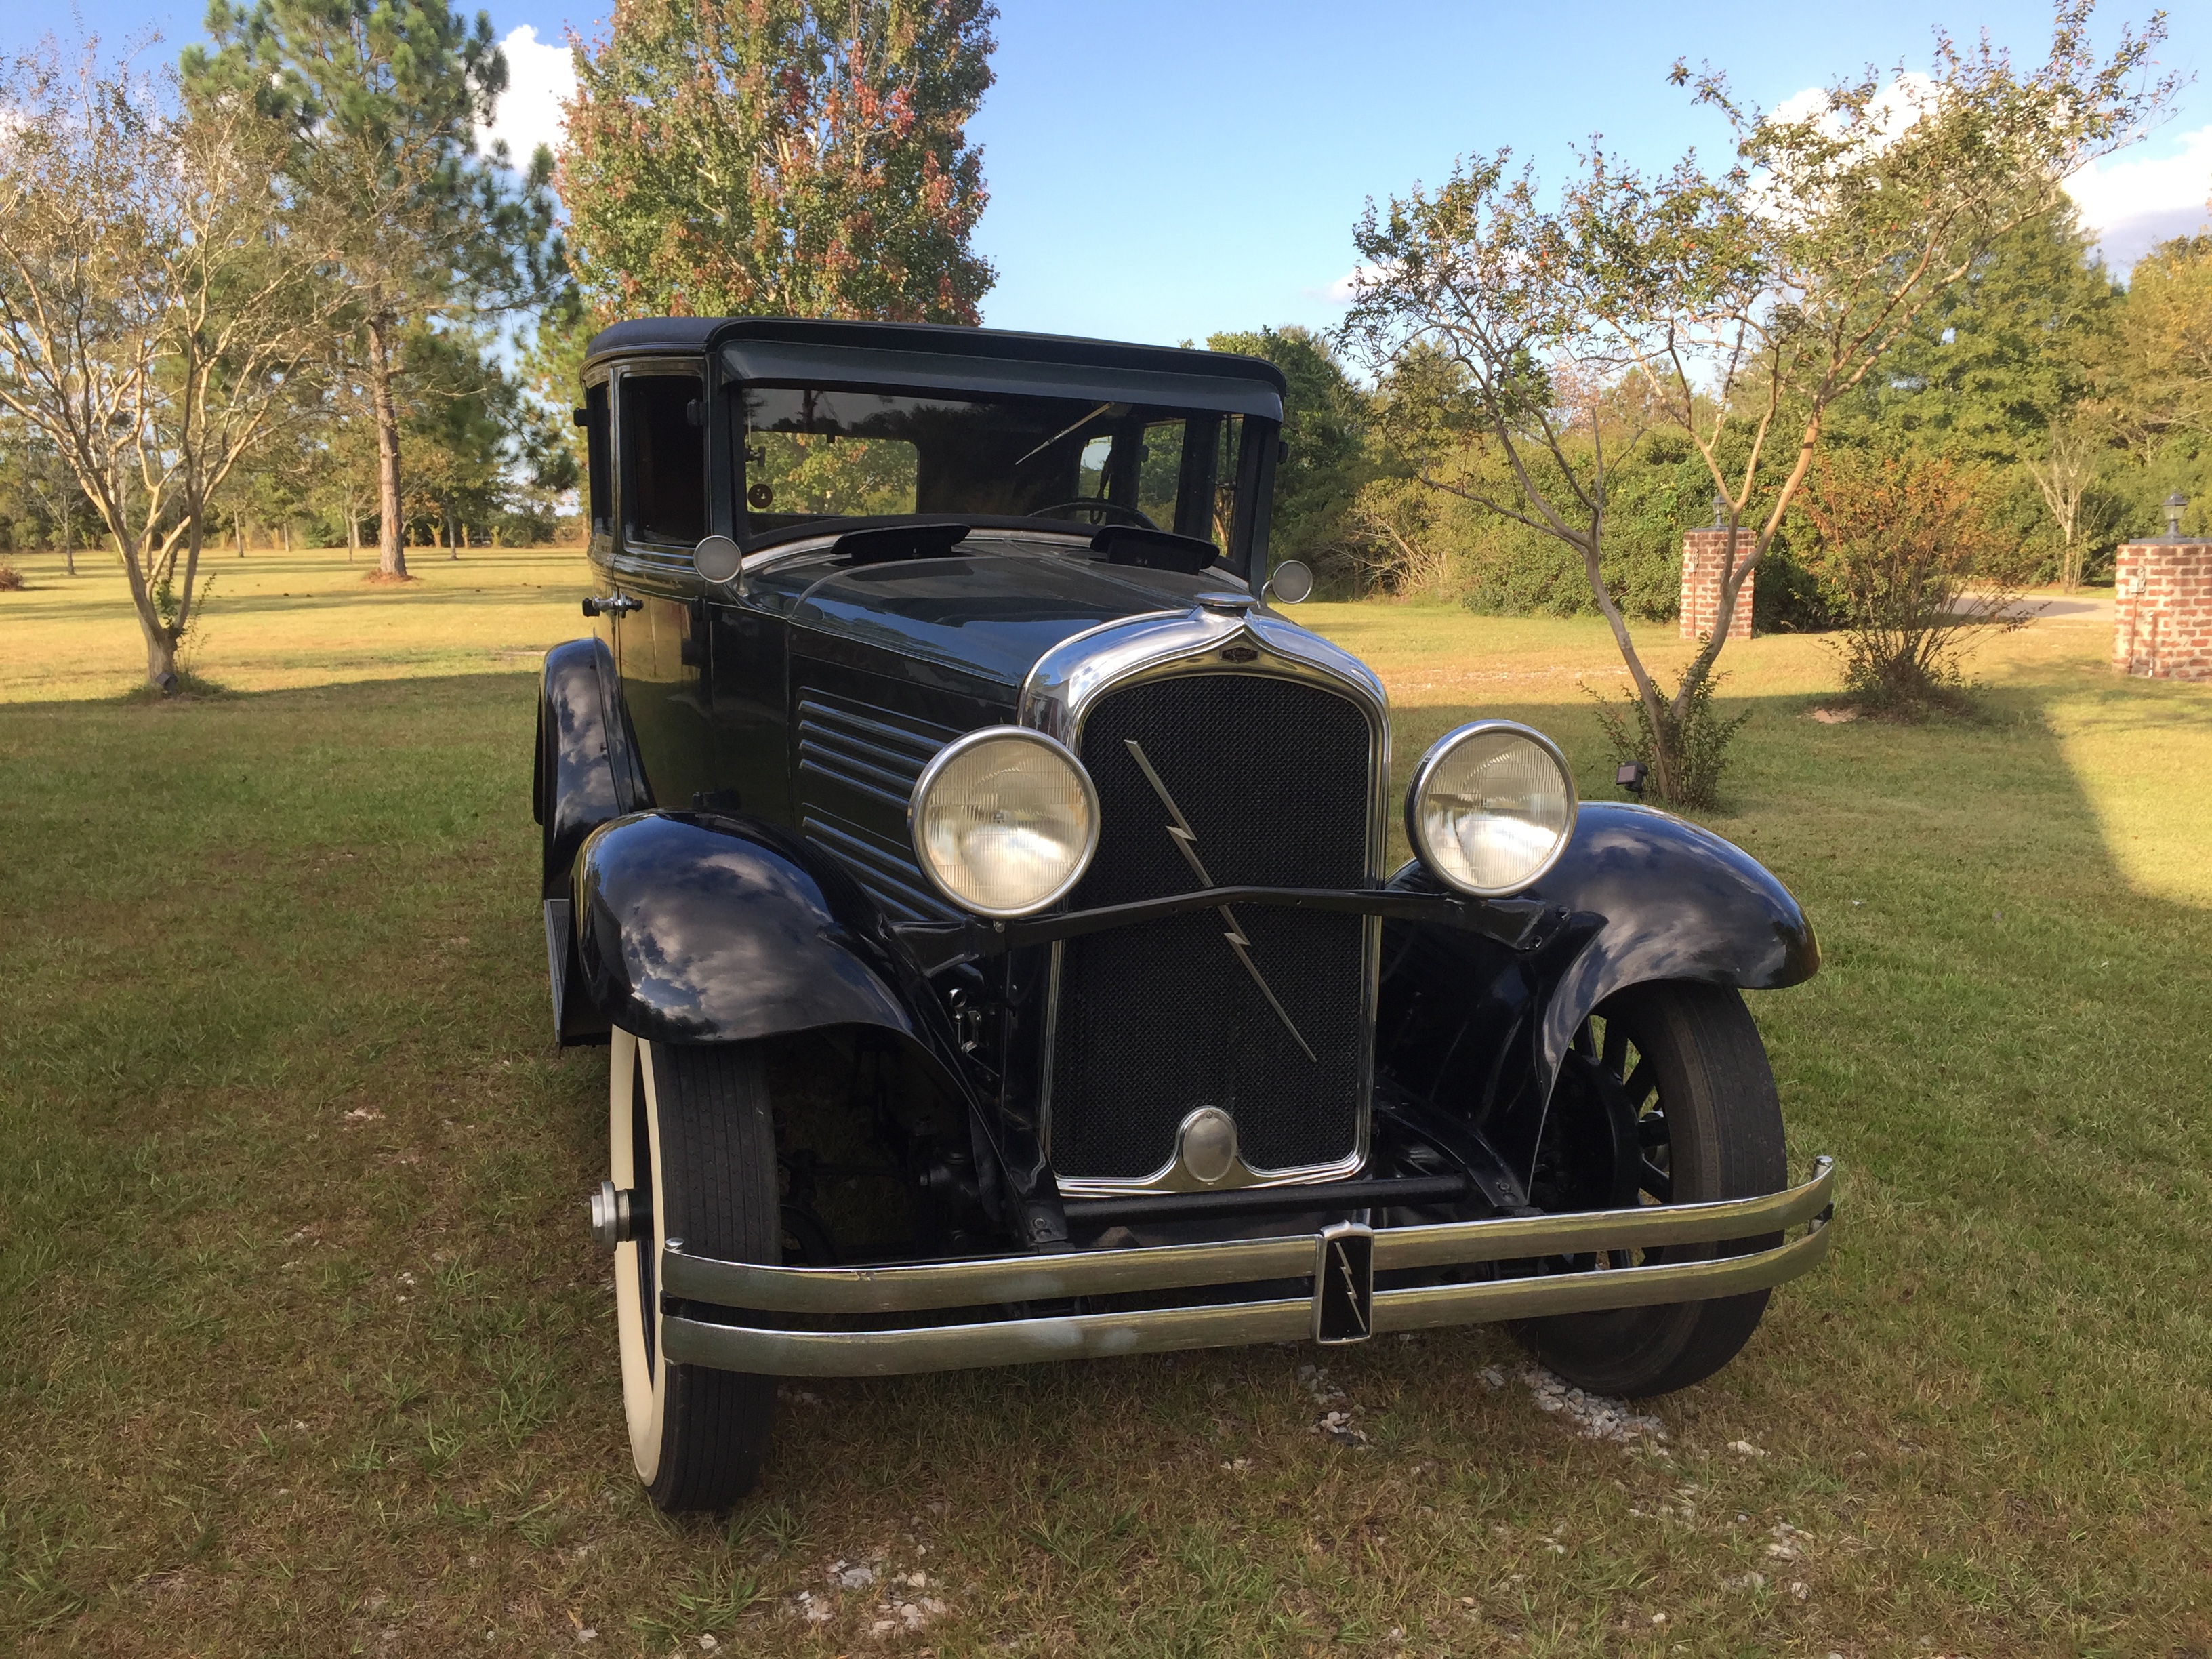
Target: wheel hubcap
column 619, row 1215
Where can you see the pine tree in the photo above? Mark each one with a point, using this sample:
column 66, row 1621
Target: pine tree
column 380, row 99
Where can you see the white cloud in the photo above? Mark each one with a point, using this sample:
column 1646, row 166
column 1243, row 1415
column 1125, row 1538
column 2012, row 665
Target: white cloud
column 539, row 77
column 1346, row 289
column 2131, row 203
column 1891, row 110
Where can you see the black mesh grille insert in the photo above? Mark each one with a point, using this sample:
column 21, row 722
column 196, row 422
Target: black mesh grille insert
column 1152, row 1021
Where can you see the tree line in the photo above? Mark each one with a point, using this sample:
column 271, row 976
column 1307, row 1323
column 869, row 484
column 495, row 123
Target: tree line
column 2080, row 402
column 278, row 283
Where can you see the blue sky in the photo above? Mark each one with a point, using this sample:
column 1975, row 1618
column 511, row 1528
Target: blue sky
column 1161, row 170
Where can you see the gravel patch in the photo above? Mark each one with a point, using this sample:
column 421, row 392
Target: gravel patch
column 1595, row 1416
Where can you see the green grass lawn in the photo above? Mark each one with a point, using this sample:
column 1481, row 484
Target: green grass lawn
column 303, row 1349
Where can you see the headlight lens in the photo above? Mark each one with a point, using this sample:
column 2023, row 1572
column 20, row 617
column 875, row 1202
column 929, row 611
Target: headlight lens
column 1491, row 807
column 1005, row 821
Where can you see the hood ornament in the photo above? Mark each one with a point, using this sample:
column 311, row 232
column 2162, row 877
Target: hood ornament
column 1185, row 841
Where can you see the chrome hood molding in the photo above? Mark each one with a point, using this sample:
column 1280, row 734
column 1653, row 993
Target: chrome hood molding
column 1208, row 638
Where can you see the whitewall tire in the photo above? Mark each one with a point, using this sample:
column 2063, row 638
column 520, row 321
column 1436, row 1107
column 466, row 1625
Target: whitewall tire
column 690, row 1132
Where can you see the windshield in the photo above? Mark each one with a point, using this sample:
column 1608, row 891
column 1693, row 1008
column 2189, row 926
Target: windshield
column 810, row 454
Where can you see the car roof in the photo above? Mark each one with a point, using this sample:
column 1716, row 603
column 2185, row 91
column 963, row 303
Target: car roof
column 946, row 354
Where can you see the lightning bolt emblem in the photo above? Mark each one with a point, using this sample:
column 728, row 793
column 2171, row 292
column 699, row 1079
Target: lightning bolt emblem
column 1185, row 841
column 1351, row 1284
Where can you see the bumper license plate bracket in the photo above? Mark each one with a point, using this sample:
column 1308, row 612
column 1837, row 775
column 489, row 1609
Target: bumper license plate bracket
column 1344, row 1284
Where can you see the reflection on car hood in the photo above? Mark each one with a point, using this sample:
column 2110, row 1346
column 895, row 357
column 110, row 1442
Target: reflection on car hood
column 995, row 607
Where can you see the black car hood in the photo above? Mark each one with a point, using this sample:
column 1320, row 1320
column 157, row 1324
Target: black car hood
column 991, row 609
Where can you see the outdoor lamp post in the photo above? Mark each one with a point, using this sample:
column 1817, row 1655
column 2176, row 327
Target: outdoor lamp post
column 1720, row 511
column 2175, row 503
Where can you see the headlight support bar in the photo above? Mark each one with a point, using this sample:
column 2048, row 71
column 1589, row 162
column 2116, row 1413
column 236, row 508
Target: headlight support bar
column 1518, row 924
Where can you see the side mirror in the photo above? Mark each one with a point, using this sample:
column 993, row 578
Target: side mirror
column 1291, row 584
column 717, row 559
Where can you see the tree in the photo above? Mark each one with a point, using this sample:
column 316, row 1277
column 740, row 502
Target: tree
column 1324, row 443
column 1735, row 308
column 2168, row 332
column 1907, row 547
column 154, row 319
column 1753, row 301
column 43, row 474
column 1471, row 295
column 378, row 100
column 2009, row 370
column 796, row 157
column 551, row 370
column 2013, row 348
column 347, row 478
column 2164, row 406
column 2065, row 467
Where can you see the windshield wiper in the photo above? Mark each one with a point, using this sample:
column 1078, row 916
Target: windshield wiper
column 1065, row 431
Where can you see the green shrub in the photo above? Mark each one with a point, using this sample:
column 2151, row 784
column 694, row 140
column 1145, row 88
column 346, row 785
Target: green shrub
column 1697, row 742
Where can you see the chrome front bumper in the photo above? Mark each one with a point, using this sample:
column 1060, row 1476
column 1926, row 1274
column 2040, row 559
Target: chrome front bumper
column 999, row 1279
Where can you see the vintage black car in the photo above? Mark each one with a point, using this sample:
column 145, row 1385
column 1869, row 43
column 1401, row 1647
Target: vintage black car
column 982, row 887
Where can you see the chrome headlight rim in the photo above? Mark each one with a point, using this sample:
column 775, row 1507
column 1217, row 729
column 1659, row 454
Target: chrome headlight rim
column 952, row 751
column 1441, row 750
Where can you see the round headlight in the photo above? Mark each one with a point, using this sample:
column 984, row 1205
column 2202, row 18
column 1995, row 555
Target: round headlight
column 1491, row 807
column 1005, row 821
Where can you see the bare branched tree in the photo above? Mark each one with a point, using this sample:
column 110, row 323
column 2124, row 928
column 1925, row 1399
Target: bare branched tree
column 1753, row 300
column 2072, row 456
column 1470, row 297
column 1734, row 307
column 152, row 321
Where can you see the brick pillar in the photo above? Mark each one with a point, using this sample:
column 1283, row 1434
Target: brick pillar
column 1705, row 562
column 2163, row 614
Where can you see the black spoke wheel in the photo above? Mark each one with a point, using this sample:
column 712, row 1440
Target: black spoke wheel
column 690, row 1128
column 1666, row 1097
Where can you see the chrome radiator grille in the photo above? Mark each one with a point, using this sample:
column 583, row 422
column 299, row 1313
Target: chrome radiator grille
column 1273, row 777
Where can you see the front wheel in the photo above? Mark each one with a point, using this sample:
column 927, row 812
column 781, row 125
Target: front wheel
column 689, row 1131
column 1665, row 1097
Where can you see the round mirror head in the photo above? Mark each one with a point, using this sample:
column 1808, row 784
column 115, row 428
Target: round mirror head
column 1292, row 581
column 716, row 558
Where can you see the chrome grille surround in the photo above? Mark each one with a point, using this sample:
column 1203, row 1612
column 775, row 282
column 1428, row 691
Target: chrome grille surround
column 1069, row 680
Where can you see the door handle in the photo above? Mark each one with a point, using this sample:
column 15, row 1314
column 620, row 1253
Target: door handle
column 614, row 605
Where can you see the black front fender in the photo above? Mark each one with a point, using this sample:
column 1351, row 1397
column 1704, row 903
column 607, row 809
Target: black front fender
column 1472, row 1026
column 694, row 928
column 1677, row 903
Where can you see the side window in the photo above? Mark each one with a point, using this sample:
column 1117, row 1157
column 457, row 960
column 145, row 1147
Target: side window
column 663, row 458
column 599, row 462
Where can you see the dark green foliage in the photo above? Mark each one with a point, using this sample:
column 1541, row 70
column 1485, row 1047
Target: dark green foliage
column 1326, row 458
column 1696, row 740
column 2000, row 355
column 1789, row 597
